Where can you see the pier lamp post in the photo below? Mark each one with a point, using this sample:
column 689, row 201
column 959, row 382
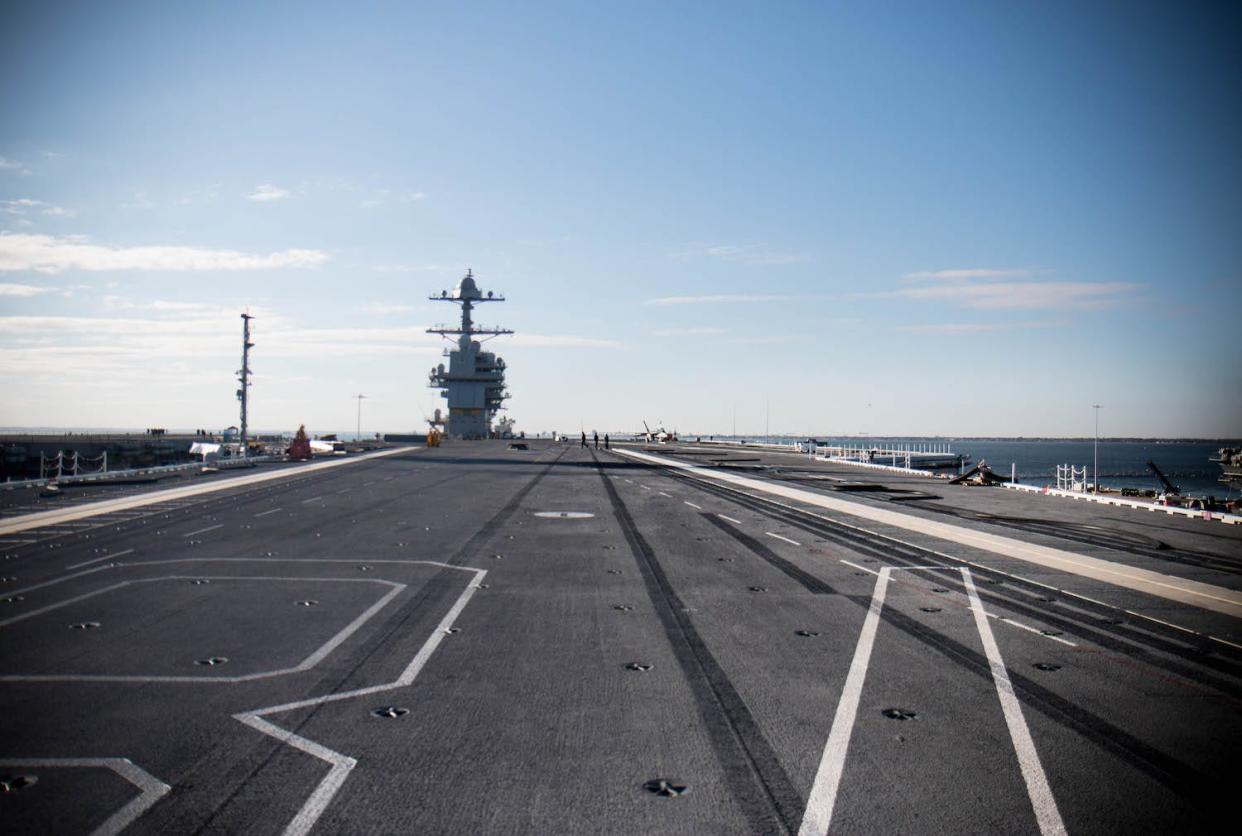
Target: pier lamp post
column 1096, row 449
column 358, row 431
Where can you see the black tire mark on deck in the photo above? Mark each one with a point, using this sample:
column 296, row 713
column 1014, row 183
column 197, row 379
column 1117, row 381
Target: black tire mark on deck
column 754, row 774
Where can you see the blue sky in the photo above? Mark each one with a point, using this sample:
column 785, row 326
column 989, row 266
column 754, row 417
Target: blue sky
column 886, row 218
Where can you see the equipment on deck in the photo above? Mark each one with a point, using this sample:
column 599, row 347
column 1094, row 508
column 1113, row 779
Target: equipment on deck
column 1169, row 488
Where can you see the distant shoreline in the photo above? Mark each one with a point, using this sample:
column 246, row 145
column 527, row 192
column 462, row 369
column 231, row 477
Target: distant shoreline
column 1234, row 441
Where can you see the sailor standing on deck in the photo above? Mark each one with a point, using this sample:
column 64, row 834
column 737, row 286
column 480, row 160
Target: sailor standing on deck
column 606, row 447
column 584, row 438
column 596, row 434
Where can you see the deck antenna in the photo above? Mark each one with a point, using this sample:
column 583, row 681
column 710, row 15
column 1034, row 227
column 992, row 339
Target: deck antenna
column 243, row 377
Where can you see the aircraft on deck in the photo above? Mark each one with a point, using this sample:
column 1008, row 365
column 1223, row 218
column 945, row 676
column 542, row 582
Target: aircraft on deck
column 659, row 435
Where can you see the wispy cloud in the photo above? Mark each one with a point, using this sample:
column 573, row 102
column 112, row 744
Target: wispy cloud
column 740, row 253
column 1025, row 295
column 13, row 165
column 386, row 308
column 974, row 327
column 703, row 331
column 24, row 206
column 968, row 274
column 8, row 289
column 140, row 200
column 727, row 298
column 52, row 254
column 550, row 341
column 267, row 192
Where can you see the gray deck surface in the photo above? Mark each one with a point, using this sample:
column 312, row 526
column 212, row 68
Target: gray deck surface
column 426, row 581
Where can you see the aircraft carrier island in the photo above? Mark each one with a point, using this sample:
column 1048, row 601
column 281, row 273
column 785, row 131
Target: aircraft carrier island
column 652, row 639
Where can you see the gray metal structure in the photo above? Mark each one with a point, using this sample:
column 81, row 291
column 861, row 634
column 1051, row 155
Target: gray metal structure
column 474, row 381
column 243, row 377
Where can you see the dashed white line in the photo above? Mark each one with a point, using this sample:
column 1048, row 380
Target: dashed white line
column 265, row 513
column 692, row 505
column 730, row 519
column 312, row 499
column 345, row 490
column 782, row 537
column 662, row 493
column 98, row 559
column 204, row 530
column 644, row 487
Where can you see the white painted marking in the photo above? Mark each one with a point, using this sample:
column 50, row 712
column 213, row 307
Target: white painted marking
column 1173, row 588
column 152, row 788
column 629, row 481
column 345, row 490
column 40, row 519
column 990, row 615
column 662, row 493
column 312, row 499
column 112, row 556
column 730, row 519
column 823, row 796
column 341, row 765
column 644, row 487
column 1046, row 813
column 782, row 537
column 1225, row 641
column 692, row 505
column 306, row 664
column 204, row 530
column 265, row 513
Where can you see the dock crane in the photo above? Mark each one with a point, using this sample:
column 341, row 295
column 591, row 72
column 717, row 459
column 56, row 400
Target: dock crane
column 1169, row 488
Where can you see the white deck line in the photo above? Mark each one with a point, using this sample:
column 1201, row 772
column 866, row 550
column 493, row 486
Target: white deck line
column 61, row 516
column 1046, row 813
column 152, row 788
column 269, row 511
column 98, row 559
column 341, row 765
column 204, row 530
column 1169, row 587
column 782, row 537
column 819, row 806
column 692, row 505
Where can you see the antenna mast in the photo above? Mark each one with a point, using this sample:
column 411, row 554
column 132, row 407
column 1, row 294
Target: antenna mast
column 243, row 376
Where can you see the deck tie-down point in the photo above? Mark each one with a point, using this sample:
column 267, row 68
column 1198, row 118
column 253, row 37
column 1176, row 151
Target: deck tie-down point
column 899, row 714
column 666, row 788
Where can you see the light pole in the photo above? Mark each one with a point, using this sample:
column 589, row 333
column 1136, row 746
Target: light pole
column 1096, row 449
column 358, row 431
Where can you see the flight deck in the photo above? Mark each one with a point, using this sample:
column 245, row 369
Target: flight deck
column 653, row 638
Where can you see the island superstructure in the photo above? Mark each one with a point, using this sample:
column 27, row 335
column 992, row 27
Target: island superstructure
column 474, row 382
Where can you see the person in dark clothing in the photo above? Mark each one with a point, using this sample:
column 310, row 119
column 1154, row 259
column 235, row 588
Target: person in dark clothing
column 584, row 438
column 606, row 447
column 596, row 440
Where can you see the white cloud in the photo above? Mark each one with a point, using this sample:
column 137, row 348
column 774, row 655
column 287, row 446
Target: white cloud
column 52, row 254
column 7, row 289
column 268, row 192
column 1025, row 295
column 967, row 274
column 23, row 206
column 724, row 297
column 703, row 331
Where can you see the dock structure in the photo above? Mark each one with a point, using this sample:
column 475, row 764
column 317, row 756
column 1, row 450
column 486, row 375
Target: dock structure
column 474, row 382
